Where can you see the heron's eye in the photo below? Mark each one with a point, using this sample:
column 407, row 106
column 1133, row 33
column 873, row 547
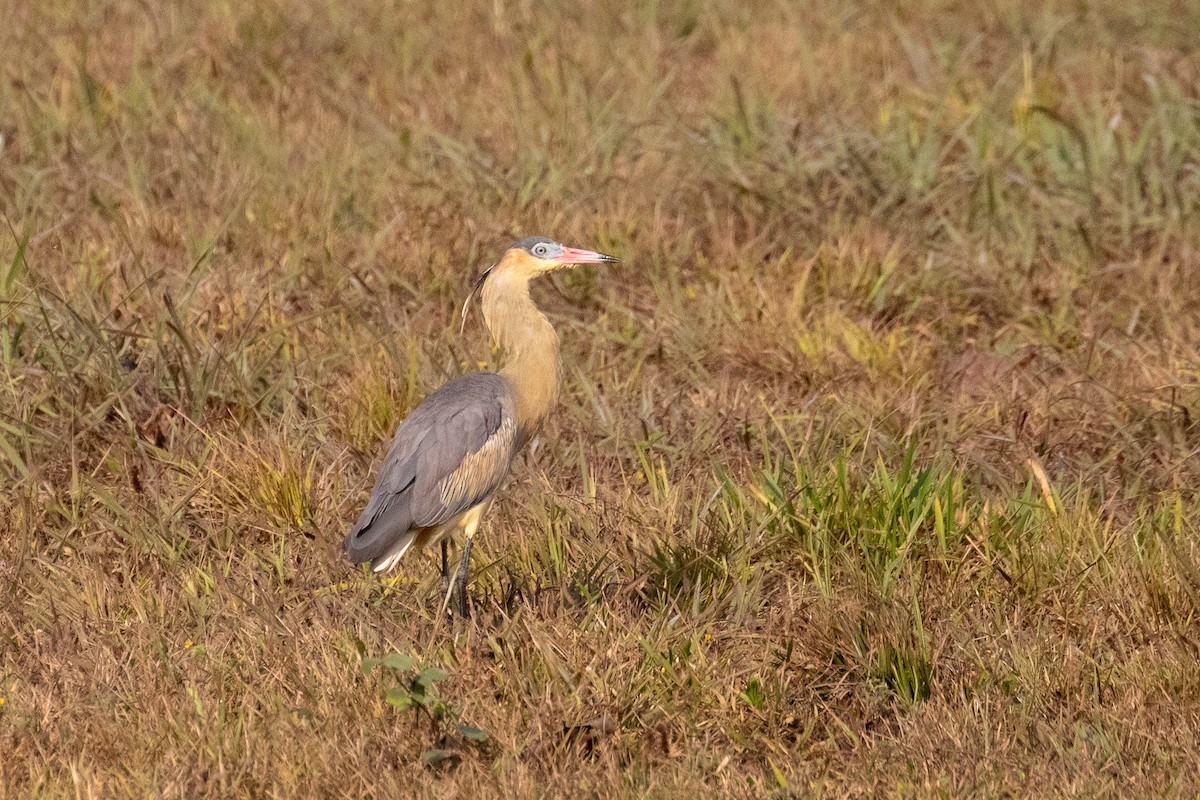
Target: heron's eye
column 541, row 250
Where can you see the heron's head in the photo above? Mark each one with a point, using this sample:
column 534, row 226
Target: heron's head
column 534, row 255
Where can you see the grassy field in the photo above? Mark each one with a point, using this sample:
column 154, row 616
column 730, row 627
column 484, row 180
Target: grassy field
column 877, row 471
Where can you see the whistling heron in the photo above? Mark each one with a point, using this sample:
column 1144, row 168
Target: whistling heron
column 453, row 452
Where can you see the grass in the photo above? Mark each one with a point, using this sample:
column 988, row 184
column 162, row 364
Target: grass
column 875, row 471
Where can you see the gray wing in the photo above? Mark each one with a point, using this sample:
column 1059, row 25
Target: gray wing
column 449, row 454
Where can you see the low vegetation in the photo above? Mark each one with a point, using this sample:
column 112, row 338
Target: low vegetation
column 876, row 469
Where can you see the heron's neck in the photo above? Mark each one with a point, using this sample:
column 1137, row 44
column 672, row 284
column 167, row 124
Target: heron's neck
column 530, row 345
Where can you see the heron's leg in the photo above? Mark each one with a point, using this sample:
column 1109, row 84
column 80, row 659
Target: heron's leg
column 462, row 578
column 445, row 584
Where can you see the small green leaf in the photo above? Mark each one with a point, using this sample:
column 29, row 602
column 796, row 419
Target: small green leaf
column 431, row 675
column 434, row 756
column 754, row 695
column 780, row 779
column 369, row 664
column 472, row 733
column 399, row 698
column 398, row 661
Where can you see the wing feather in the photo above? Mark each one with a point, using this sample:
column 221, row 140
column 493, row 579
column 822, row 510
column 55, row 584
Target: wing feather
column 478, row 475
column 449, row 454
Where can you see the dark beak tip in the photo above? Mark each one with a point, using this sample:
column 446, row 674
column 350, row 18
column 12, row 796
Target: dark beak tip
column 574, row 256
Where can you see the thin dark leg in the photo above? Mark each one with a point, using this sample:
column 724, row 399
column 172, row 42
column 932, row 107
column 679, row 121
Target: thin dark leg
column 462, row 579
column 445, row 584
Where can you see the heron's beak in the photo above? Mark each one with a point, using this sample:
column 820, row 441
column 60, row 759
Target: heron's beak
column 571, row 255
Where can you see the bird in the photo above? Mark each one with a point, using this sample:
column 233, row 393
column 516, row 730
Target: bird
column 452, row 454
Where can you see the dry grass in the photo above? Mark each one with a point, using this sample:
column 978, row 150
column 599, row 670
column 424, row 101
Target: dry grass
column 876, row 471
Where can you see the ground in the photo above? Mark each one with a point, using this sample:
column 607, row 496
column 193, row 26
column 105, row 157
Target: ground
column 876, row 469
